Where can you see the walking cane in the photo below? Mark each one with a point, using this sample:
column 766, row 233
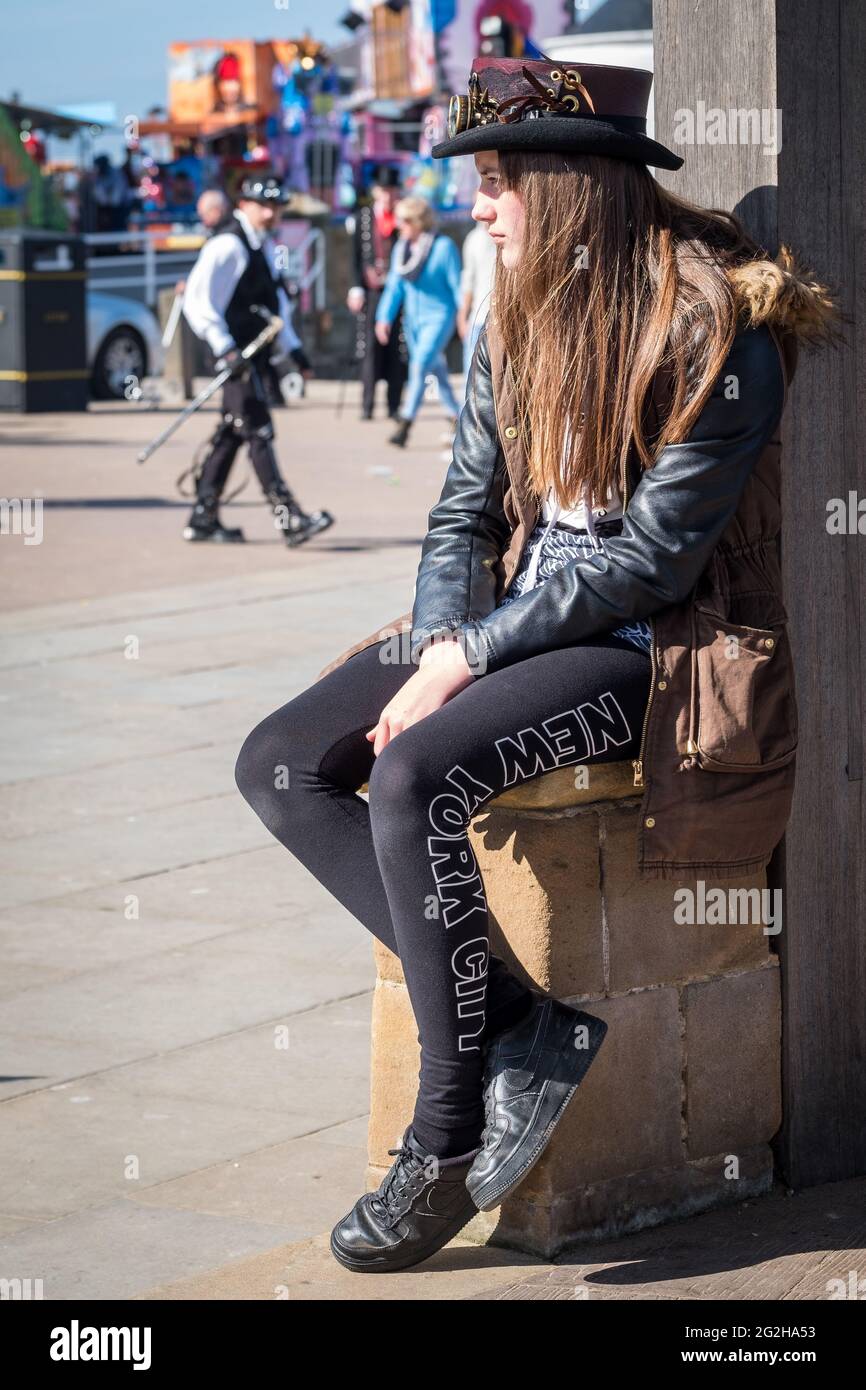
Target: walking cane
column 173, row 320
column 345, row 376
column 267, row 334
column 349, row 368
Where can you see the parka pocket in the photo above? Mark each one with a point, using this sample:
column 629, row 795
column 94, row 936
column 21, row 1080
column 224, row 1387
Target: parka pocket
column 743, row 715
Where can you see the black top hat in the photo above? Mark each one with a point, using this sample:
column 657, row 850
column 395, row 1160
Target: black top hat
column 261, row 188
column 386, row 176
column 517, row 104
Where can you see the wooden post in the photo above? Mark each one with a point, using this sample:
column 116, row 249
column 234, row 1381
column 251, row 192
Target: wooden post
column 804, row 60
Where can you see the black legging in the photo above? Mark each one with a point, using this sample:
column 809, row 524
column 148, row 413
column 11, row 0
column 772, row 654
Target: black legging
column 403, row 864
column 246, row 417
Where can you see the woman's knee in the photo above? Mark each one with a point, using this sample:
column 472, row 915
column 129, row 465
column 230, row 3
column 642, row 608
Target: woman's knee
column 264, row 764
column 403, row 779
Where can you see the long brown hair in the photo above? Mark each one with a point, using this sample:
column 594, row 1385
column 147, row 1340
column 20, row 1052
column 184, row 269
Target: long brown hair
column 618, row 278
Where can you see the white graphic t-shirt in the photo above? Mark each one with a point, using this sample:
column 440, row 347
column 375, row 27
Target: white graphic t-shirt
column 549, row 547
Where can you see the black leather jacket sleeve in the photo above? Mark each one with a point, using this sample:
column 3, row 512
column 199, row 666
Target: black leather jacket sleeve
column 673, row 523
column 468, row 530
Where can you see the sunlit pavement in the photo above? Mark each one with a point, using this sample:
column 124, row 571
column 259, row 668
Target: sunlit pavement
column 155, row 938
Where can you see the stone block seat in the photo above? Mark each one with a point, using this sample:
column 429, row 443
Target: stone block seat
column 678, row 1110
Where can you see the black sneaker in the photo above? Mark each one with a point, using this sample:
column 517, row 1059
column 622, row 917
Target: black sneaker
column 302, row 526
column 297, row 525
column 420, row 1205
column 531, row 1072
column 204, row 525
column 401, row 434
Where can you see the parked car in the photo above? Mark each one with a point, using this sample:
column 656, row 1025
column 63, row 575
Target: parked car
column 123, row 342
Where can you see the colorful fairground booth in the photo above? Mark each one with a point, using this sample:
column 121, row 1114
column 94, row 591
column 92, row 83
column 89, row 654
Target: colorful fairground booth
column 238, row 105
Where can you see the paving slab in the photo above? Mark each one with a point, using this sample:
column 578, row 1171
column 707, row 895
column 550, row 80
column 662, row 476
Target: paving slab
column 206, row 988
column 248, row 886
column 302, row 1185
column 188, row 777
column 114, row 1250
column 306, row 1271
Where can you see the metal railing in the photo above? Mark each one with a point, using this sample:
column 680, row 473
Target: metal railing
column 151, row 270
column 311, row 249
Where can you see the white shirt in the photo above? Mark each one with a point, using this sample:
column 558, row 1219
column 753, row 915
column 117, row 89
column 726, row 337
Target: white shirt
column 213, row 280
column 479, row 264
column 608, row 510
column 576, row 516
column 580, row 515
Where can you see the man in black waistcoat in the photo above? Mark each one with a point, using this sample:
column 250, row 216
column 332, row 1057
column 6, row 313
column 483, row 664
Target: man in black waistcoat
column 235, row 278
column 374, row 235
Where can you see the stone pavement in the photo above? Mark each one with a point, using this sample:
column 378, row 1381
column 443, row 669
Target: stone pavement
column 184, row 1011
column 158, row 944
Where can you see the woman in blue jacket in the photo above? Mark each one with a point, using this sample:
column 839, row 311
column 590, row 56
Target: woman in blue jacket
column 424, row 278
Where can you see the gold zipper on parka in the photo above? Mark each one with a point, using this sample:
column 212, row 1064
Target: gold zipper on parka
column 500, row 376
column 637, row 763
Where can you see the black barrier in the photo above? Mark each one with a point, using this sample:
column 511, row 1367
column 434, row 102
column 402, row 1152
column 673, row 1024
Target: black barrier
column 43, row 332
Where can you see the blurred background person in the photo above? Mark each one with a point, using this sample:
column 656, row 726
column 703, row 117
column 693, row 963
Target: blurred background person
column 110, row 194
column 212, row 208
column 235, row 277
column 214, row 212
column 424, row 279
column 374, row 236
column 181, row 192
column 476, row 284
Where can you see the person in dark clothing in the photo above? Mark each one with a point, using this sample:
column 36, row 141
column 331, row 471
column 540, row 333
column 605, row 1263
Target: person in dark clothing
column 232, row 290
column 375, row 234
column 110, row 196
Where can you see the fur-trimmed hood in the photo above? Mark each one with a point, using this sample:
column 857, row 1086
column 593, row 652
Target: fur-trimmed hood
column 787, row 296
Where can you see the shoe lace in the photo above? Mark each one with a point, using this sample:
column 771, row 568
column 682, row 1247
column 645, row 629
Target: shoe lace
column 400, row 1185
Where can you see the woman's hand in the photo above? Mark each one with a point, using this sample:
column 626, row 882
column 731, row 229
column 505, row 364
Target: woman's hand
column 442, row 672
column 383, row 333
